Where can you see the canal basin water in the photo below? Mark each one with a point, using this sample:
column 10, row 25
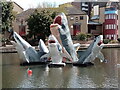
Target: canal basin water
column 101, row 75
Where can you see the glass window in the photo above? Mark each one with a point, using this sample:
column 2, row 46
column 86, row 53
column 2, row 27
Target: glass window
column 110, row 26
column 115, row 17
column 112, row 16
column 76, row 18
column 71, row 18
column 106, row 27
column 71, row 26
column 81, row 17
column 109, row 16
column 114, row 26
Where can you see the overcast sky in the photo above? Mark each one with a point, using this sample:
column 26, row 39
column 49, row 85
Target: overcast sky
column 34, row 3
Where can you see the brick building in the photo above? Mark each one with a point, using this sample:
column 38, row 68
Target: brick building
column 77, row 20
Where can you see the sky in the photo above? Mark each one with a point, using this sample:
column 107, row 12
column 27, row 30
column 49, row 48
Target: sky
column 25, row 4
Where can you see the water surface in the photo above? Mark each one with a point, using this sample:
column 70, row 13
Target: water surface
column 101, row 75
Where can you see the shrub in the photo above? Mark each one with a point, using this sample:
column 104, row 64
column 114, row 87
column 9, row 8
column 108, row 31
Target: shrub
column 113, row 41
column 81, row 36
column 106, row 41
column 89, row 35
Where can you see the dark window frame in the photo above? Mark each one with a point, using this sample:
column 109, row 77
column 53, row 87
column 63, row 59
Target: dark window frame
column 81, row 18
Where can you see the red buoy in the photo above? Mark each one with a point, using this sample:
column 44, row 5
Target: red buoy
column 29, row 72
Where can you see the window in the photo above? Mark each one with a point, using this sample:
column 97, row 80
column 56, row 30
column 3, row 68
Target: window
column 106, row 27
column 71, row 26
column 109, row 16
column 114, row 26
column 81, row 17
column 114, row 17
column 93, row 27
column 109, row 26
column 71, row 18
column 106, row 16
column 76, row 18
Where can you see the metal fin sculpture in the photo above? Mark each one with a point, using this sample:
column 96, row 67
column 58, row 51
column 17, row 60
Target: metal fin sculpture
column 92, row 52
column 55, row 52
column 64, row 34
column 26, row 52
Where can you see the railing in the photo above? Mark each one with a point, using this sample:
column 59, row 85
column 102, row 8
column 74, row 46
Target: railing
column 7, row 50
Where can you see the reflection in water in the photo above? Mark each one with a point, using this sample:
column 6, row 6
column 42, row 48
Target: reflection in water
column 101, row 75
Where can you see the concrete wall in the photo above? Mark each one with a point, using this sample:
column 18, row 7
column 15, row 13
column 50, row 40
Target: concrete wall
column 16, row 25
column 83, row 22
column 17, row 8
column 102, row 15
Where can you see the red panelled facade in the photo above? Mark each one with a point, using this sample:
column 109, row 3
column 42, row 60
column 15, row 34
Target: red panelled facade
column 111, row 25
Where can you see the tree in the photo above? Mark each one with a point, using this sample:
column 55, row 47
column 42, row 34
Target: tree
column 7, row 15
column 47, row 5
column 39, row 24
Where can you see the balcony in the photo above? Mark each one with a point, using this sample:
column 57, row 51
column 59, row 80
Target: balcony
column 84, row 9
column 83, row 4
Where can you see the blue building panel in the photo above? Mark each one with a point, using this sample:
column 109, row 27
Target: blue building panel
column 111, row 12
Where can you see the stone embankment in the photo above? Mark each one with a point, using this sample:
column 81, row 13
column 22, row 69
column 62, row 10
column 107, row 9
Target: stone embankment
column 11, row 48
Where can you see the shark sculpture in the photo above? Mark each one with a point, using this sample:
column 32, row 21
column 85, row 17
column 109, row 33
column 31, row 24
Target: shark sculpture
column 55, row 52
column 26, row 52
column 64, row 36
column 93, row 51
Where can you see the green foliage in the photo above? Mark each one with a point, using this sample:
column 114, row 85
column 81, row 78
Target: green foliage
column 39, row 24
column 113, row 41
column 7, row 15
column 89, row 35
column 53, row 14
column 81, row 36
column 106, row 41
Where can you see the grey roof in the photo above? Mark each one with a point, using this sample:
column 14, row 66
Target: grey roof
column 93, row 23
column 73, row 11
column 101, row 4
column 25, row 14
column 95, row 17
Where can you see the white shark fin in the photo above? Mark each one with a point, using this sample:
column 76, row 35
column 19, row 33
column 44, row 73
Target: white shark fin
column 26, row 57
column 76, row 46
column 45, row 56
column 101, row 56
column 66, row 56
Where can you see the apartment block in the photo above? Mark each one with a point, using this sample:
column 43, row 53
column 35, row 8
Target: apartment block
column 111, row 23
